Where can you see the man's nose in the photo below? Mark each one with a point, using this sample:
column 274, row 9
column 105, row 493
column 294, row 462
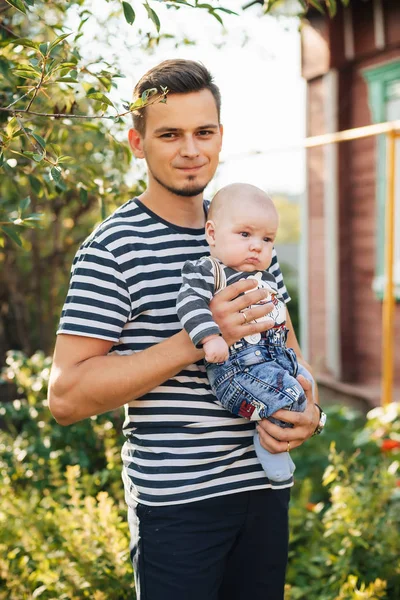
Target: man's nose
column 189, row 147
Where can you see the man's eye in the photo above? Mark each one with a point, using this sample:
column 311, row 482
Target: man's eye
column 168, row 136
column 205, row 132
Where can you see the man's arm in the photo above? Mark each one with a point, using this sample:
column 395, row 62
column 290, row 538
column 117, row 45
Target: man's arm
column 84, row 381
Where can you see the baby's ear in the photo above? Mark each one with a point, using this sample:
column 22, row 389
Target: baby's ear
column 210, row 233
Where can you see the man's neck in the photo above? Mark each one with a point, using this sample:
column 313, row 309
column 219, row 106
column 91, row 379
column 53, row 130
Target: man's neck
column 179, row 210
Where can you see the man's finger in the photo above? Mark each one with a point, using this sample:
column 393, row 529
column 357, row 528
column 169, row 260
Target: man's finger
column 255, row 297
column 275, row 446
column 236, row 289
column 254, row 313
column 305, row 383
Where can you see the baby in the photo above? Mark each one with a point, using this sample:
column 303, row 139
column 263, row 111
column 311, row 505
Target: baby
column 257, row 375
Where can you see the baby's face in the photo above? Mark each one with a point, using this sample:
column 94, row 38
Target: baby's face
column 243, row 236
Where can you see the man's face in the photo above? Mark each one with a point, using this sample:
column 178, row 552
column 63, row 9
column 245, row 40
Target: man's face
column 181, row 143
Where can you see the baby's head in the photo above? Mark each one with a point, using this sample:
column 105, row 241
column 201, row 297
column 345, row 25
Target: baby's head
column 241, row 227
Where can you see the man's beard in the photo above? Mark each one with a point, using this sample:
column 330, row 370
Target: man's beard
column 185, row 192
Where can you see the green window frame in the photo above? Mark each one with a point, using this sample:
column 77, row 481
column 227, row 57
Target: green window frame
column 383, row 89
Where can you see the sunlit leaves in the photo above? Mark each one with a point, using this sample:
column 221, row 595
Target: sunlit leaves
column 153, row 16
column 101, row 98
column 18, row 4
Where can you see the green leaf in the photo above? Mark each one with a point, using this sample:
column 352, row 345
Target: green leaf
column 34, row 217
column 226, row 10
column 56, row 174
column 26, row 42
column 216, row 16
column 153, row 16
column 12, row 234
column 67, row 80
column 137, row 104
column 35, row 184
column 44, row 47
column 316, row 4
column 65, row 159
column 101, row 97
column 149, row 92
column 37, row 157
column 24, row 74
column 2, row 159
column 83, row 195
column 58, row 40
column 23, row 204
column 18, row 4
column 332, row 7
column 129, row 13
column 40, row 140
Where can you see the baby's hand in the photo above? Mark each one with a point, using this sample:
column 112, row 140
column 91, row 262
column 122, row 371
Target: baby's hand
column 216, row 349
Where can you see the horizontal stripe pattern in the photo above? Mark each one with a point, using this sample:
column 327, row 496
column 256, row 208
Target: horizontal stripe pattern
column 180, row 444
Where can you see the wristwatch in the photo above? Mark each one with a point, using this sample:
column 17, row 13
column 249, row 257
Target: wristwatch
column 322, row 420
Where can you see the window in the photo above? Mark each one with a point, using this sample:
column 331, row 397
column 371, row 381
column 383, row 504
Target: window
column 384, row 96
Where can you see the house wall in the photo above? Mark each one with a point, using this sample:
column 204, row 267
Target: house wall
column 316, row 242
column 360, row 309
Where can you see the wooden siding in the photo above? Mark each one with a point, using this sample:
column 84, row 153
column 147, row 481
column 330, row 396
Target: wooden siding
column 316, row 242
column 367, row 320
column 392, row 22
column 360, row 309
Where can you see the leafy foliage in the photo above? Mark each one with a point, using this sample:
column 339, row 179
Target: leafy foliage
column 62, row 517
column 63, row 549
column 63, row 167
column 344, row 536
column 35, row 450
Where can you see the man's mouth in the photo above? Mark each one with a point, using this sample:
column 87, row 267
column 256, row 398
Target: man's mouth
column 191, row 168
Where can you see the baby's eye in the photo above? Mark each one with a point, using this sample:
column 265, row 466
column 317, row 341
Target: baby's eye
column 267, row 239
column 244, row 234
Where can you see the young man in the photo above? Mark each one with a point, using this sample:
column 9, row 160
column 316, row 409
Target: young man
column 199, row 501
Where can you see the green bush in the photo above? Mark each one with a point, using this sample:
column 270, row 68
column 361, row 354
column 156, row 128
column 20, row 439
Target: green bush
column 63, row 551
column 348, row 547
column 35, row 450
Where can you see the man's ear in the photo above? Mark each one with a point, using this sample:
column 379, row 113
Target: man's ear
column 136, row 143
column 210, row 233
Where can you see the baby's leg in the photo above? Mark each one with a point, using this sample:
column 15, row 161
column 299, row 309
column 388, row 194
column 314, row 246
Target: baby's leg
column 279, row 468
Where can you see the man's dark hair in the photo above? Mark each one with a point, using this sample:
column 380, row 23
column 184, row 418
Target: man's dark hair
column 179, row 76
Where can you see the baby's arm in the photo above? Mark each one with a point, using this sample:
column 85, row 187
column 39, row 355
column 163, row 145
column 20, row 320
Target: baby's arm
column 216, row 349
column 193, row 301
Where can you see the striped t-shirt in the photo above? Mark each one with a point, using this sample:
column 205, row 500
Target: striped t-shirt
column 181, row 445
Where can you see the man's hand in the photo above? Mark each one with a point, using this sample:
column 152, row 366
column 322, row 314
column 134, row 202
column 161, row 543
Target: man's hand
column 275, row 439
column 231, row 312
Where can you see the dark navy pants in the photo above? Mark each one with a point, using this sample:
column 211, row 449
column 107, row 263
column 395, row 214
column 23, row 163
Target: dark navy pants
column 231, row 547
